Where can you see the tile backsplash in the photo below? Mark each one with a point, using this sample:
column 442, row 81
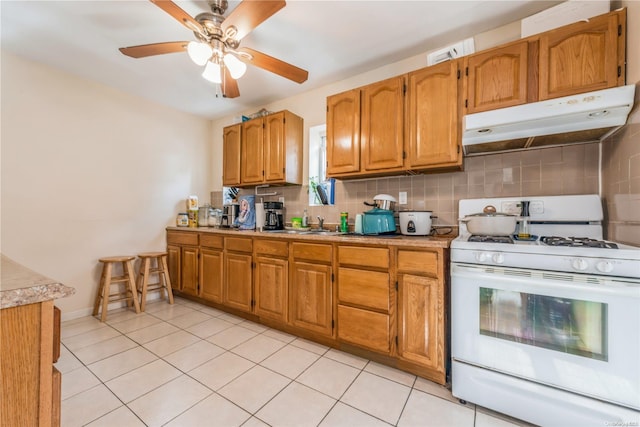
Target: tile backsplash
column 571, row 169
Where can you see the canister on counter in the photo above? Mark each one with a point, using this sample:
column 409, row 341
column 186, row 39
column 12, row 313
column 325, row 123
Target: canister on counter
column 193, row 219
column 192, row 203
column 182, row 220
column 344, row 225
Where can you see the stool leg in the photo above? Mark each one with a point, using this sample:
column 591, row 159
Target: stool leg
column 105, row 292
column 144, row 272
column 165, row 278
column 132, row 285
column 96, row 305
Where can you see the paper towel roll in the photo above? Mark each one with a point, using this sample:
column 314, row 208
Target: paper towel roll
column 259, row 215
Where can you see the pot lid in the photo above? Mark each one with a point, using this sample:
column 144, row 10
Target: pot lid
column 385, row 197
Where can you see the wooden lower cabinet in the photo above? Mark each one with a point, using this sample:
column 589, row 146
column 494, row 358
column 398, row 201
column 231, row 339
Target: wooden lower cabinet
column 365, row 297
column 211, row 274
column 237, row 281
column 189, row 267
column 421, row 311
column 30, row 386
column 173, row 263
column 385, row 302
column 310, row 303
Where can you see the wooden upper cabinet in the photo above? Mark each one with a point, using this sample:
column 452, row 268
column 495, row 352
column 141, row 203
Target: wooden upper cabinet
column 231, row 155
column 382, row 125
column 583, row 57
column 497, row 78
column 434, row 117
column 343, row 133
column 265, row 150
column 283, row 148
column 252, row 169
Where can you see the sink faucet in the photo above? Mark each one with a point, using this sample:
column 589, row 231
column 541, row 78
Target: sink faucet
column 320, row 222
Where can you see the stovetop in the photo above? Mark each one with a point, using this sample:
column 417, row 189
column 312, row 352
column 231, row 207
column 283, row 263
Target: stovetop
column 567, row 236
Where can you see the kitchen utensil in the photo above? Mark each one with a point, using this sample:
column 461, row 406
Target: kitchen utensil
column 383, row 201
column 415, row 223
column 490, row 223
column 378, row 221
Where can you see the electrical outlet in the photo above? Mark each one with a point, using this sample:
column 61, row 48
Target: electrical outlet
column 281, row 200
column 402, row 196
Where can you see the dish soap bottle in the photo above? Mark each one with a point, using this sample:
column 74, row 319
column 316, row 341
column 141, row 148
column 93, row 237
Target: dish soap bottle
column 523, row 231
column 305, row 219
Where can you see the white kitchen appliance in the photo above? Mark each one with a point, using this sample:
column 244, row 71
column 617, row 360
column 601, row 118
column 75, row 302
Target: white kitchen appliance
column 415, row 223
column 547, row 329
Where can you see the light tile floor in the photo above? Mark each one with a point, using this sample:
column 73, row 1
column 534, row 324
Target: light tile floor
column 190, row 365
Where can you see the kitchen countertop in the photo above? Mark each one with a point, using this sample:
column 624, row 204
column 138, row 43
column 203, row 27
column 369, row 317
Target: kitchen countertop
column 441, row 241
column 21, row 286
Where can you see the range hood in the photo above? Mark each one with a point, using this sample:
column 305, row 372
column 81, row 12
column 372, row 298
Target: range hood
column 587, row 117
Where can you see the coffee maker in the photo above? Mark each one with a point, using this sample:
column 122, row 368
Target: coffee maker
column 229, row 214
column 274, row 216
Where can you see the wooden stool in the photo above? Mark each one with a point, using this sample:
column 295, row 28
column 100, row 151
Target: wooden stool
column 106, row 280
column 160, row 269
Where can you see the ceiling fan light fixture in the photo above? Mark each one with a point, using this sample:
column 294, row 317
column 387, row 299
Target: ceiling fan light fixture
column 212, row 72
column 236, row 67
column 199, row 52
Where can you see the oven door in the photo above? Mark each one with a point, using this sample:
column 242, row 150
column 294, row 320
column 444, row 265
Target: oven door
column 575, row 332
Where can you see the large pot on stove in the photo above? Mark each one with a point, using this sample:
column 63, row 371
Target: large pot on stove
column 490, row 223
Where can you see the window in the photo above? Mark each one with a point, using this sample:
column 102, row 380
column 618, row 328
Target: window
column 317, row 162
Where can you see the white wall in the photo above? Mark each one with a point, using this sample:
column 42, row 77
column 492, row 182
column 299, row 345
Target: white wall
column 88, row 172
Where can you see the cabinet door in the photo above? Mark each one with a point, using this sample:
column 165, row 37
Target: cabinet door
column 382, row 131
column 231, row 155
column 421, row 318
column 189, row 270
column 364, row 328
column 580, row 57
column 343, row 133
column 434, row 117
column 173, row 263
column 274, row 148
column 237, row 281
column 252, row 168
column 271, row 288
column 310, row 304
column 211, row 274
column 497, row 78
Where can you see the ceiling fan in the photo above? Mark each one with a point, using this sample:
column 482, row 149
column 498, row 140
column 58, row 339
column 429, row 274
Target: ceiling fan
column 218, row 40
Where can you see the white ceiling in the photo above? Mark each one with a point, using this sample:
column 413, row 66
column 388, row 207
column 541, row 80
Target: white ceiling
column 333, row 40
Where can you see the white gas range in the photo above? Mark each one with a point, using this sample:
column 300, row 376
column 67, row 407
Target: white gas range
column 548, row 329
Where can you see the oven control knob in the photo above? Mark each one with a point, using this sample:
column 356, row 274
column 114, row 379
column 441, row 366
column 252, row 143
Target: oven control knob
column 579, row 264
column 481, row 256
column 498, row 258
column 604, row 266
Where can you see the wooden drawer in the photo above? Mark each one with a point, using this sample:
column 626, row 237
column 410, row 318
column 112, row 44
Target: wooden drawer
column 271, row 247
column 211, row 241
column 238, row 244
column 365, row 328
column 366, row 257
column 364, row 288
column 182, row 238
column 312, row 251
column 419, row 262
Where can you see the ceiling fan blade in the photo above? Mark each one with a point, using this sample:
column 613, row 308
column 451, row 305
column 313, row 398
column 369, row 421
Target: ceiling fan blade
column 229, row 85
column 249, row 14
column 274, row 65
column 154, row 49
column 179, row 15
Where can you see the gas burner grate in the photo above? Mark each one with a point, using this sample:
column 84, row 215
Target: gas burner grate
column 577, row 242
column 489, row 239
